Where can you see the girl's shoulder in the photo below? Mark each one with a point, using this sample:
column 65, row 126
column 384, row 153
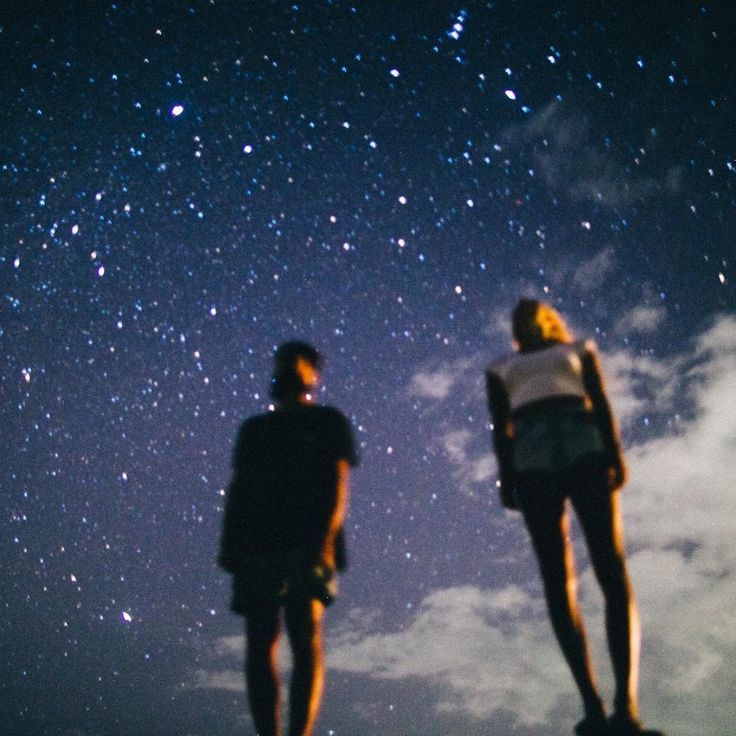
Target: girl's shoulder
column 583, row 347
column 499, row 366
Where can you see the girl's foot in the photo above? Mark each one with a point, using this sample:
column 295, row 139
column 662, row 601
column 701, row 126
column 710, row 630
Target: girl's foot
column 625, row 725
column 593, row 726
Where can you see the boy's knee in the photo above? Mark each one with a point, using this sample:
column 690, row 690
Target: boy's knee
column 303, row 629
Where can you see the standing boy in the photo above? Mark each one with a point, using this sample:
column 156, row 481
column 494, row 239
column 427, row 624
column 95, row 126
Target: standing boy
column 282, row 537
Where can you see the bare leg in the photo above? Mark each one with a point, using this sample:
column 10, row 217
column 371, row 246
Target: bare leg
column 548, row 524
column 261, row 676
column 600, row 517
column 304, row 626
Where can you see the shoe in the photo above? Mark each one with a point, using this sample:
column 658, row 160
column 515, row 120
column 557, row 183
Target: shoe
column 627, row 726
column 593, row 726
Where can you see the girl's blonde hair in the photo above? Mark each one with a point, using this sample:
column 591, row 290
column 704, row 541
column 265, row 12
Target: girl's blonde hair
column 536, row 324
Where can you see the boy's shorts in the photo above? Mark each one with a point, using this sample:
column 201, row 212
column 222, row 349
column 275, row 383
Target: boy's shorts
column 270, row 581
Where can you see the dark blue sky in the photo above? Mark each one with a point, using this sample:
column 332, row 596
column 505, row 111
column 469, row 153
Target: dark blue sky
column 185, row 185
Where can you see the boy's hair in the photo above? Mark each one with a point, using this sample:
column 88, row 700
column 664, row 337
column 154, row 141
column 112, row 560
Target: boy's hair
column 286, row 381
column 286, row 355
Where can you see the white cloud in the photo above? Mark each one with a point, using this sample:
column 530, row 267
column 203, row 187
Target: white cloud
column 466, row 450
column 641, row 319
column 683, row 485
column 229, row 651
column 228, row 680
column 639, row 384
column 499, row 323
column 474, row 647
column 434, row 385
column 485, row 651
column 681, row 523
column 591, row 274
column 560, row 144
column 469, row 468
column 230, row 646
column 439, row 382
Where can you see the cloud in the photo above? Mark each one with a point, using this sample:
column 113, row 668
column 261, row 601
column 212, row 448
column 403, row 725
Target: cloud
column 435, row 385
column 680, row 510
column 228, row 680
column 467, row 450
column 641, row 319
column 591, row 274
column 469, row 466
column 560, row 145
column 685, row 482
column 473, row 647
column 489, row 655
column 640, row 385
column 227, row 650
column 439, row 382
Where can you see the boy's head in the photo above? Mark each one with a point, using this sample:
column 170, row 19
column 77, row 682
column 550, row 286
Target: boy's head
column 297, row 367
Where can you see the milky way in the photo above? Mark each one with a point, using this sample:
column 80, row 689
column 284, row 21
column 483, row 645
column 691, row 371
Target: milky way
column 184, row 185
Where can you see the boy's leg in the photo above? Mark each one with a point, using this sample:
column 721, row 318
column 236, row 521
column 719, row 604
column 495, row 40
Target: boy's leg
column 304, row 627
column 261, row 676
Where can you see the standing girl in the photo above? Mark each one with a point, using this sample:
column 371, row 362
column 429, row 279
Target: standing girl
column 555, row 439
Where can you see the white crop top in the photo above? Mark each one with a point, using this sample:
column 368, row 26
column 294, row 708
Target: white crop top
column 543, row 374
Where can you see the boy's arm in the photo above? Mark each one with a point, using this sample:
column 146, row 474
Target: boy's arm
column 235, row 507
column 228, row 556
column 339, row 511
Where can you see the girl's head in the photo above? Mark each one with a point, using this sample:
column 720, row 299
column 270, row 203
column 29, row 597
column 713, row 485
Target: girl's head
column 536, row 324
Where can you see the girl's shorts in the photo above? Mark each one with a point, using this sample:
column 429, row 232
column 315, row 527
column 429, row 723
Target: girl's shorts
column 552, row 439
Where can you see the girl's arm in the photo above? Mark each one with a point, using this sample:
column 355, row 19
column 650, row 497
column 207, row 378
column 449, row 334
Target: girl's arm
column 593, row 381
column 500, row 411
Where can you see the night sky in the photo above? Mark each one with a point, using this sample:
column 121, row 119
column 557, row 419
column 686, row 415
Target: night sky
column 184, row 185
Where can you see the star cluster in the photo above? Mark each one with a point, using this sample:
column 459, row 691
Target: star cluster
column 187, row 184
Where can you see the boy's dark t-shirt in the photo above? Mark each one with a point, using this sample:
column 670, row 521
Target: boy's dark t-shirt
column 283, row 491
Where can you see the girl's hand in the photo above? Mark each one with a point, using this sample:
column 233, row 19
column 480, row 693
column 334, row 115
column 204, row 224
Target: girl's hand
column 617, row 474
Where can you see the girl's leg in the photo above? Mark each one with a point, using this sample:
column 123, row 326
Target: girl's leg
column 548, row 524
column 600, row 518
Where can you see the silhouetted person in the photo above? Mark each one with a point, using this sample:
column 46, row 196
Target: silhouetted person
column 282, row 536
column 555, row 439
